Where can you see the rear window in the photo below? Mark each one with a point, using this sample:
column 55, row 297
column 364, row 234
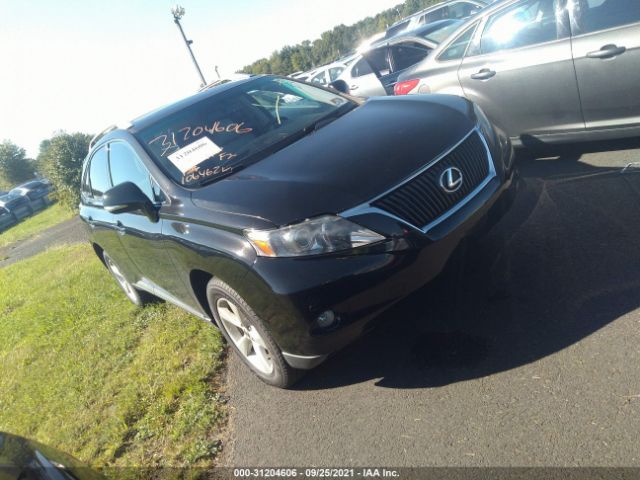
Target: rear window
column 394, row 30
column 234, row 128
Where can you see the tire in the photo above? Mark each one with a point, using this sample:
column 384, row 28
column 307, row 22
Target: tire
column 249, row 337
column 137, row 297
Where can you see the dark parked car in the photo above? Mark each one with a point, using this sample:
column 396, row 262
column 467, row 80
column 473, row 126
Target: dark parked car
column 7, row 219
column 288, row 214
column 544, row 70
column 18, row 204
column 37, row 191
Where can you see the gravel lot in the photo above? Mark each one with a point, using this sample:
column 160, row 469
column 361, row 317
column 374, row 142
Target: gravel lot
column 524, row 353
column 69, row 231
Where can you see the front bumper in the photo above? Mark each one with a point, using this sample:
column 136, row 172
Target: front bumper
column 290, row 293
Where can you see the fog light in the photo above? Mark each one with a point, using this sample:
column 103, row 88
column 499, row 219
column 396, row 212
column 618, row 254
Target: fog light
column 326, row 319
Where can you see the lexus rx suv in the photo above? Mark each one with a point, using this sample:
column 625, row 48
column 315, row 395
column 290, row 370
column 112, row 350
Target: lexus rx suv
column 288, row 214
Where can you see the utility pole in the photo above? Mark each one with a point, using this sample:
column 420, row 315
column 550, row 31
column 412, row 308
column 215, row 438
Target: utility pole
column 178, row 12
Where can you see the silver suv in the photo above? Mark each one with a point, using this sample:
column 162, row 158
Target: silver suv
column 543, row 70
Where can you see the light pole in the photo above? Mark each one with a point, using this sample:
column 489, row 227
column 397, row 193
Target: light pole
column 178, row 13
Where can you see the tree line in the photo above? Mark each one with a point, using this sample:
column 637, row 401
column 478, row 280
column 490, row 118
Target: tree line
column 333, row 44
column 59, row 159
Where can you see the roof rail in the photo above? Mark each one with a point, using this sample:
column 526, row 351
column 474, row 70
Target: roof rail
column 98, row 136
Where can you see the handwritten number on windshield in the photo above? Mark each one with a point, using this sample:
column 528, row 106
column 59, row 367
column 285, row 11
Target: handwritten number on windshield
column 166, row 145
column 168, row 142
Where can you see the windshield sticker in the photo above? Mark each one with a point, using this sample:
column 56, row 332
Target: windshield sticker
column 193, row 154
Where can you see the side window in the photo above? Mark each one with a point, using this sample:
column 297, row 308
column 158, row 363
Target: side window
column 99, row 173
column 461, row 9
column 526, row 23
column 86, row 188
column 438, row 14
column 361, row 68
column 593, row 15
column 127, row 167
column 319, row 78
column 335, row 72
column 457, row 48
column 408, row 54
column 378, row 60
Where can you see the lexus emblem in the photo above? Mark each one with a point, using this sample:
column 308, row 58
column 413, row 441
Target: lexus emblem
column 451, row 180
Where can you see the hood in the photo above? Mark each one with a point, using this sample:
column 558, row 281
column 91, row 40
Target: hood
column 345, row 163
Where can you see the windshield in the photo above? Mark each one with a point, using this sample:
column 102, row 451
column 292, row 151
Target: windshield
column 442, row 33
column 227, row 131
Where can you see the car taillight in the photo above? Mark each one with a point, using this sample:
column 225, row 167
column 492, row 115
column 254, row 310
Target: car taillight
column 403, row 88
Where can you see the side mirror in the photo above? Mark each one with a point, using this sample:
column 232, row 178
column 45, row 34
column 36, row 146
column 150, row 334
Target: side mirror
column 340, row 85
column 127, row 197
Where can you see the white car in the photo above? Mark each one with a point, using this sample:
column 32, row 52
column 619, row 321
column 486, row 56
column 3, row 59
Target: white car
column 323, row 75
column 375, row 71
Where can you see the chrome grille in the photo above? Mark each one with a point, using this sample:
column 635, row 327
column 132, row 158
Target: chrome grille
column 421, row 200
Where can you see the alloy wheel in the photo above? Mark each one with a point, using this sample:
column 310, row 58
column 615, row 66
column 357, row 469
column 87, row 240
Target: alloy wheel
column 124, row 284
column 245, row 336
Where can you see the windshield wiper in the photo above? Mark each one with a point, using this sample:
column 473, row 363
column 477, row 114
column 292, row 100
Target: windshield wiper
column 327, row 119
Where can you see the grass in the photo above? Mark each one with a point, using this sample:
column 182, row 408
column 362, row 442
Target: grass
column 35, row 224
column 88, row 373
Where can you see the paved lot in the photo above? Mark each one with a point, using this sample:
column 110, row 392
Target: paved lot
column 527, row 354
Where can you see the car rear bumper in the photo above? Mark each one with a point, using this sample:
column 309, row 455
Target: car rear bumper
column 289, row 294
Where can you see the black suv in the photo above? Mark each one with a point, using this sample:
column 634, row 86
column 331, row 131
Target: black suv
column 288, row 214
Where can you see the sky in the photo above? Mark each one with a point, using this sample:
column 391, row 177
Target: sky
column 81, row 65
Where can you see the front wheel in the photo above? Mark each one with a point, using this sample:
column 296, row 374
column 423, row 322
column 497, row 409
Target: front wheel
column 248, row 336
column 136, row 296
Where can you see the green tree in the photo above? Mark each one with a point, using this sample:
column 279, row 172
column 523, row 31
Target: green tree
column 15, row 167
column 334, row 43
column 61, row 160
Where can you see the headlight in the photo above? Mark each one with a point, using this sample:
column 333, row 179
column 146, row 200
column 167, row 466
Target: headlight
column 312, row 237
column 483, row 123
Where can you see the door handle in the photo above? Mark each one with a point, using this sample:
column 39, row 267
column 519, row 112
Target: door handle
column 120, row 228
column 484, row 74
column 608, row 51
column 353, row 87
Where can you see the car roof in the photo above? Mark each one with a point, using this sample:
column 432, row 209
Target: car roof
column 29, row 184
column 435, row 7
column 428, row 28
column 416, row 34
